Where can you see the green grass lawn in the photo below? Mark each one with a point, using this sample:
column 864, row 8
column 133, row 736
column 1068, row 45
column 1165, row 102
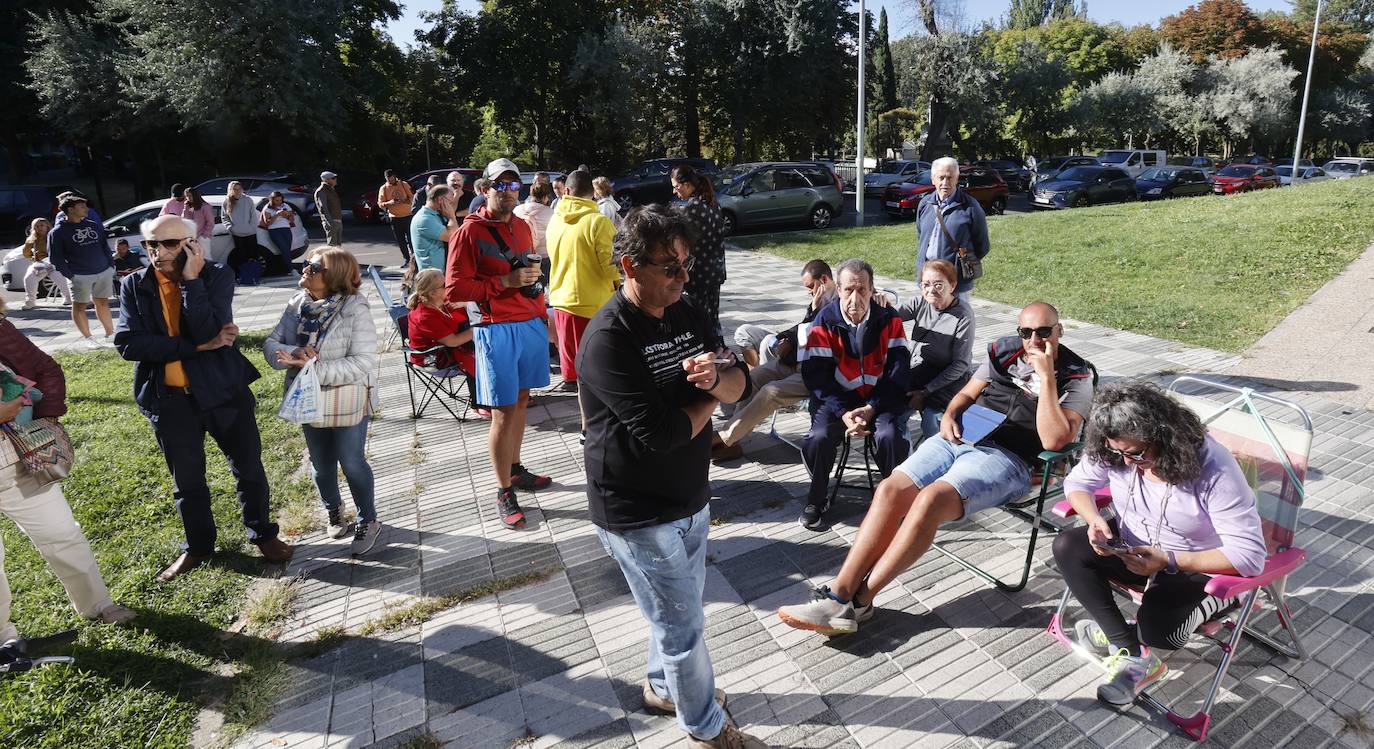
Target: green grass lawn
column 1208, row 271
column 140, row 685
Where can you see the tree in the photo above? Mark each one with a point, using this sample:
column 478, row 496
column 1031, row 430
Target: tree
column 1357, row 13
column 1338, row 47
column 1027, row 14
column 1224, row 28
column 882, row 94
column 1115, row 108
column 1251, row 96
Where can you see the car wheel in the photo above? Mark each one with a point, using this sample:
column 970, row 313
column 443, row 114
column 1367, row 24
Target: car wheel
column 821, row 216
column 999, row 206
column 1081, row 202
column 727, row 222
column 626, row 201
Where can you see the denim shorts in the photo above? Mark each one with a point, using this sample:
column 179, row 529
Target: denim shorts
column 511, row 356
column 985, row 476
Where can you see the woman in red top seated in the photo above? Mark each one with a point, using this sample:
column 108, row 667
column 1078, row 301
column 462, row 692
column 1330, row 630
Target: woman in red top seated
column 435, row 322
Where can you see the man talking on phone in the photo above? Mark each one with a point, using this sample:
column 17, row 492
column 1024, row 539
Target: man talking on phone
column 1043, row 390
column 176, row 324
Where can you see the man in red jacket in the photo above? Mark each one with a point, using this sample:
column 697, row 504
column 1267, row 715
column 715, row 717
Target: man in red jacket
column 491, row 262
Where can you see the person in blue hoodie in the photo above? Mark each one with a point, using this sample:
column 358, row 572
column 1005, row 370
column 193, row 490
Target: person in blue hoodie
column 78, row 247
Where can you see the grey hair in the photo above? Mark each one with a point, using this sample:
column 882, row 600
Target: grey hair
column 856, row 266
column 435, row 193
column 1141, row 411
column 948, row 161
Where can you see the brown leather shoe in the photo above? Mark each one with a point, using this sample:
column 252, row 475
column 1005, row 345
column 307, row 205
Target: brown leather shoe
column 184, row 563
column 276, row 551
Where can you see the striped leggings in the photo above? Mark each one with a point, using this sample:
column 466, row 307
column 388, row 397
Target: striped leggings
column 1169, row 612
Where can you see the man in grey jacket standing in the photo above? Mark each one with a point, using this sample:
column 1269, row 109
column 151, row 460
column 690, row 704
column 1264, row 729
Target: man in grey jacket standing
column 331, row 212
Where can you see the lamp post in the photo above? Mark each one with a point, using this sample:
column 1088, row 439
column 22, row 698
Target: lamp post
column 428, row 166
column 859, row 159
column 1306, row 90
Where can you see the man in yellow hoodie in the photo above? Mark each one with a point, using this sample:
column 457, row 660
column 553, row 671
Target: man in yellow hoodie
column 582, row 275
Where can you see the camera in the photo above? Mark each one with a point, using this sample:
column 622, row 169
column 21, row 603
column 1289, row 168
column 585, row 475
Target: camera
column 530, row 261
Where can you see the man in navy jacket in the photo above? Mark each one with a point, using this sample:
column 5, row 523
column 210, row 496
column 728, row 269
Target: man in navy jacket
column 177, row 325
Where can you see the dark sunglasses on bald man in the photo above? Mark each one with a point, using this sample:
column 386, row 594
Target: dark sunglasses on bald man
column 1044, row 331
column 167, row 244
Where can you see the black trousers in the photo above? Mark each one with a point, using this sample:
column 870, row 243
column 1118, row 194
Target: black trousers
column 245, row 249
column 400, row 227
column 180, row 427
column 707, row 297
column 821, row 444
column 1169, row 611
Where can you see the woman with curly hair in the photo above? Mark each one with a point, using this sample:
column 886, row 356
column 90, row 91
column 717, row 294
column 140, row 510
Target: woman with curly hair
column 1185, row 512
column 708, row 241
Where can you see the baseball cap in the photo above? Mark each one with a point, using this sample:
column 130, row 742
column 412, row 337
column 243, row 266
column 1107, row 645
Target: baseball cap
column 327, row 175
column 500, row 166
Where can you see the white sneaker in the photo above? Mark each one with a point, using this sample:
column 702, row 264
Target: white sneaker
column 30, row 304
column 822, row 614
column 94, row 343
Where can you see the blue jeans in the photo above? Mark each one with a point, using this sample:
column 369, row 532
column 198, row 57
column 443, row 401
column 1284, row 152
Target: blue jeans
column 282, row 239
column 665, row 566
column 930, row 422
column 985, row 476
column 335, row 447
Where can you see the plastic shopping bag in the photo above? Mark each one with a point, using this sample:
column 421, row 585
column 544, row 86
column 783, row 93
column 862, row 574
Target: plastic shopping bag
column 302, row 402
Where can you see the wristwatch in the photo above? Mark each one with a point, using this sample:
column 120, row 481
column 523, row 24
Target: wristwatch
column 1172, row 569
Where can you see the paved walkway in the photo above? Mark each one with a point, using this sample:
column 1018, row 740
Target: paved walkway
column 1321, row 347
column 947, row 662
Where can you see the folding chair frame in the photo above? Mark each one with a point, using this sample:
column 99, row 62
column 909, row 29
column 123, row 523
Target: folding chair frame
column 870, row 457
column 434, row 386
column 1271, row 580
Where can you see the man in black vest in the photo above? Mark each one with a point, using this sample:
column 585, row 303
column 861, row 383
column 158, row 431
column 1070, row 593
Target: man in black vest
column 1044, row 389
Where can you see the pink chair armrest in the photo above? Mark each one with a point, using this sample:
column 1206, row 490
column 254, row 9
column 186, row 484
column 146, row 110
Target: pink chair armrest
column 1279, row 565
column 1064, row 509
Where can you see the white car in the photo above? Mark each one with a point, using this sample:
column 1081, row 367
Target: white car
column 875, row 183
column 126, row 226
column 1305, row 174
column 299, row 193
column 1345, row 167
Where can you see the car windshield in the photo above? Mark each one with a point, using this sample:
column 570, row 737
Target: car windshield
column 1079, row 173
column 1159, row 175
column 1236, row 171
column 892, row 167
column 1342, row 166
column 920, row 179
column 1049, row 165
column 727, row 176
column 1113, row 157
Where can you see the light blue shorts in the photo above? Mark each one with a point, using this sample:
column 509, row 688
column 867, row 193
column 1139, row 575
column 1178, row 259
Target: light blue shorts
column 985, row 476
column 511, row 356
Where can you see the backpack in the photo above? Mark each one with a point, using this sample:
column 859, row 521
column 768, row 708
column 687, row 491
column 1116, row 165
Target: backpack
column 250, row 273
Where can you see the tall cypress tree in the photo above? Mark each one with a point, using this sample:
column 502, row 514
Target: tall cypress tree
column 882, row 91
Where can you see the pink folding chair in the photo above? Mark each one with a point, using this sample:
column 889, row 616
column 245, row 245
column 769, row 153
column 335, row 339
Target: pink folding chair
column 1274, row 455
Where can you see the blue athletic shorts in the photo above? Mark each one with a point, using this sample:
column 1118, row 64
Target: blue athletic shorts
column 511, row 356
column 985, row 476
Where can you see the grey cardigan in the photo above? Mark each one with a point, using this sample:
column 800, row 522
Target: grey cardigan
column 348, row 353
column 941, row 348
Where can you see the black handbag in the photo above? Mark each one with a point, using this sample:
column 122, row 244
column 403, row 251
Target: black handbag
column 970, row 266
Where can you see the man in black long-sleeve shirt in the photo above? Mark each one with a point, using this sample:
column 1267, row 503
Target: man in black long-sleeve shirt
column 649, row 383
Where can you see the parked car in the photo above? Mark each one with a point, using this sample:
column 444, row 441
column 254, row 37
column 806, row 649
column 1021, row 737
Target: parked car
column 299, row 192
column 365, row 205
column 1345, row 167
column 891, row 173
column 1206, row 164
column 21, row 204
column 1133, row 161
column 982, row 184
column 1084, row 186
column 1012, row 171
column 1243, row 178
column 127, row 225
column 1289, row 162
column 650, row 181
column 1250, row 160
column 779, row 192
column 1305, row 174
column 1051, row 167
column 1171, row 182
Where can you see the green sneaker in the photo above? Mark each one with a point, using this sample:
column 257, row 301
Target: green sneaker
column 1128, row 676
column 1091, row 637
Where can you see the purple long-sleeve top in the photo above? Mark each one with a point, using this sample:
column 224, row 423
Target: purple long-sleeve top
column 1217, row 511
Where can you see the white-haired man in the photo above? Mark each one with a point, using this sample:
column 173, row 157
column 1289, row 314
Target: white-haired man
column 950, row 224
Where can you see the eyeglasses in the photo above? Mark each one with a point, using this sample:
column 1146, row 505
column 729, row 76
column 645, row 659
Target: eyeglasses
column 314, row 267
column 934, row 285
column 1044, row 331
column 506, row 185
column 675, row 269
column 167, row 244
column 1135, row 456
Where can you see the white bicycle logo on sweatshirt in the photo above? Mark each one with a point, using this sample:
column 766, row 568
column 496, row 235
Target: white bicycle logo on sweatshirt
column 85, row 235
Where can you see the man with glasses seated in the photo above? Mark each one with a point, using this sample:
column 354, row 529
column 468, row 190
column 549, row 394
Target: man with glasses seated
column 176, row 324
column 491, row 263
column 1043, row 389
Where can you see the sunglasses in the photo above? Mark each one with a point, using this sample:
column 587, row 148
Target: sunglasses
column 675, row 269
column 314, row 267
column 167, row 244
column 1044, row 331
column 1135, row 456
column 506, row 185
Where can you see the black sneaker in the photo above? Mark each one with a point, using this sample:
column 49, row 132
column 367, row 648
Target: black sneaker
column 523, row 479
column 511, row 515
column 813, row 516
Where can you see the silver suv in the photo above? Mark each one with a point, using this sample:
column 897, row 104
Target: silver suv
column 777, row 193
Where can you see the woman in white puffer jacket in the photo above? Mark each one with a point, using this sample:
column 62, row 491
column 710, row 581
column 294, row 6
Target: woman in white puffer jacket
column 330, row 321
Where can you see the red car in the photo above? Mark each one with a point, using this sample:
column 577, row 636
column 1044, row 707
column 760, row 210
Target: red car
column 982, row 184
column 365, row 206
column 1244, row 178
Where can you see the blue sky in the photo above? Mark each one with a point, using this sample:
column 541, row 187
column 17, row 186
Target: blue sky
column 902, row 14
